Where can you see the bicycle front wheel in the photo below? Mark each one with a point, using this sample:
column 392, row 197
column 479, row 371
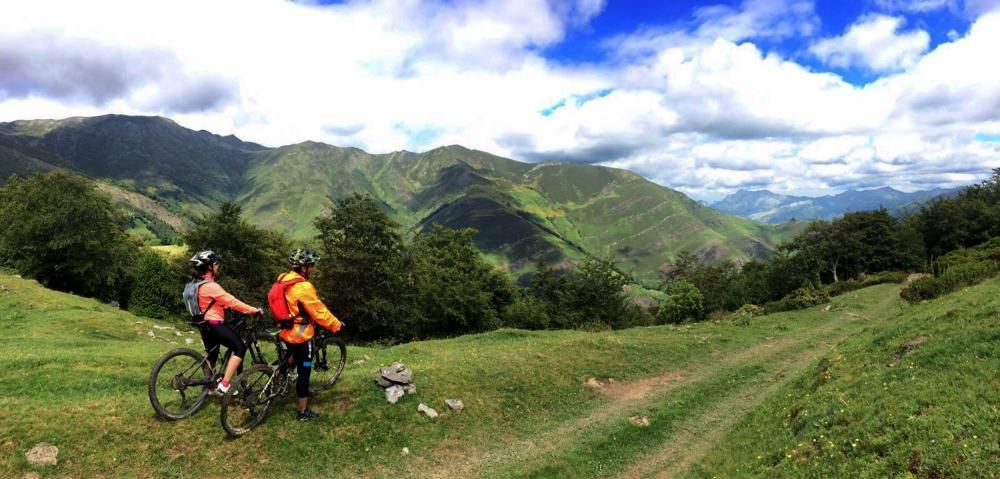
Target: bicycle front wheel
column 178, row 383
column 246, row 406
column 328, row 364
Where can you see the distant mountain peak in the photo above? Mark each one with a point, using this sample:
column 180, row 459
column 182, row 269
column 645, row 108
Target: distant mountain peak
column 767, row 207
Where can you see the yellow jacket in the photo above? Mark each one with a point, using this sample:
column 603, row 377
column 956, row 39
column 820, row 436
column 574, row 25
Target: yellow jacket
column 303, row 296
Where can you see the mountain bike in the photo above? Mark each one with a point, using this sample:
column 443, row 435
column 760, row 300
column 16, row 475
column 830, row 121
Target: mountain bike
column 181, row 379
column 246, row 405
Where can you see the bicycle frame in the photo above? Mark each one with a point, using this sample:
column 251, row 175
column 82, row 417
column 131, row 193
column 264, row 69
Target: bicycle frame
column 253, row 346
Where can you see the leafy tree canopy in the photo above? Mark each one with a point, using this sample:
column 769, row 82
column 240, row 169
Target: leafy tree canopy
column 61, row 231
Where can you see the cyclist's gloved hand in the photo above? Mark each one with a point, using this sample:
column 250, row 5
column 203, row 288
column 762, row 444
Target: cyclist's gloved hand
column 336, row 325
column 259, row 313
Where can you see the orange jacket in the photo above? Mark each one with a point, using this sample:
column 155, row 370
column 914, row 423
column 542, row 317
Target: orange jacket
column 303, row 295
column 223, row 301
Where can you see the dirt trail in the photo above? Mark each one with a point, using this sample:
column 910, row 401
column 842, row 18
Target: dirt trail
column 700, row 433
column 627, row 396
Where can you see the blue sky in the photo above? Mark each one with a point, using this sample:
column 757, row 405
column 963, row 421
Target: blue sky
column 796, row 96
column 626, row 16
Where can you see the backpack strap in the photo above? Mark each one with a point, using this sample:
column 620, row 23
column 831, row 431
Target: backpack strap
column 198, row 295
column 299, row 318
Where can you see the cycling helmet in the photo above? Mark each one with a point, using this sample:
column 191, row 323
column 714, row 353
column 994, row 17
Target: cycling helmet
column 302, row 257
column 205, row 258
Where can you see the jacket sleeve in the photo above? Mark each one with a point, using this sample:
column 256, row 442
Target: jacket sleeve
column 317, row 310
column 227, row 300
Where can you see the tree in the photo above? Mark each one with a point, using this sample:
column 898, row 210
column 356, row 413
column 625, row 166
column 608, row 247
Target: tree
column 597, row 294
column 457, row 291
column 821, row 239
column 713, row 280
column 859, row 242
column 365, row 273
column 58, row 229
column 252, row 257
column 157, row 288
column 551, row 289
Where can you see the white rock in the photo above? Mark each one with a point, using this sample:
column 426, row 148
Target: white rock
column 455, row 404
column 397, row 373
column 406, row 451
column 411, row 388
column 156, row 326
column 151, row 334
column 640, row 421
column 393, row 394
column 188, row 341
column 430, row 412
column 43, row 454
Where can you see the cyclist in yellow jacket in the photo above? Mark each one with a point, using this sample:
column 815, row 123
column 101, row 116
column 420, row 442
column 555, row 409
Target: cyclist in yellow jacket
column 304, row 305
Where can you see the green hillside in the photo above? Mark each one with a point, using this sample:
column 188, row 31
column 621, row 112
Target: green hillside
column 721, row 400
column 523, row 212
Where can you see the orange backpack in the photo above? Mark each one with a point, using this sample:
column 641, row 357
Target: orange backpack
column 279, row 305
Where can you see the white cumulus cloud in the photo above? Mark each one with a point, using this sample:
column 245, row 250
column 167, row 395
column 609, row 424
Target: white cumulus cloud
column 875, row 43
column 701, row 105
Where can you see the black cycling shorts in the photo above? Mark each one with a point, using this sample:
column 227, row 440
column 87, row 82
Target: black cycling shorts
column 216, row 334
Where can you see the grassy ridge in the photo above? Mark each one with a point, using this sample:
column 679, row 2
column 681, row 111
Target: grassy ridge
column 74, row 374
column 915, row 395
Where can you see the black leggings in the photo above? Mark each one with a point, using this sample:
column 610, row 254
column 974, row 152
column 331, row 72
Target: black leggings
column 303, row 355
column 214, row 335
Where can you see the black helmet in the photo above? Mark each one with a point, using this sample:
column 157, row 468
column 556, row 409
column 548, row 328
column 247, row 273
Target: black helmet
column 205, row 258
column 302, row 257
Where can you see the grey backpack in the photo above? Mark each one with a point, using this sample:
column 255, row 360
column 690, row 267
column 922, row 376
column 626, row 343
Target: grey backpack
column 191, row 300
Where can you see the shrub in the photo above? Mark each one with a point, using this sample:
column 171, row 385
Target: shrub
column 633, row 316
column 953, row 279
column 801, row 298
column 746, row 313
column 886, row 277
column 841, row 287
column 683, row 304
column 960, row 268
column 526, row 312
column 157, row 289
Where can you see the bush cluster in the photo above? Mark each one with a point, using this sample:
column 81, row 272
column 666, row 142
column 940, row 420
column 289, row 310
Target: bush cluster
column 842, row 287
column 802, row 298
column 684, row 303
column 959, row 269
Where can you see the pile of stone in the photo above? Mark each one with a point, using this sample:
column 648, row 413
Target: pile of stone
column 397, row 380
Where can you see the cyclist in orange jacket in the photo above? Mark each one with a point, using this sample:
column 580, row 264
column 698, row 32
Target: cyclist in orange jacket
column 212, row 302
column 304, row 305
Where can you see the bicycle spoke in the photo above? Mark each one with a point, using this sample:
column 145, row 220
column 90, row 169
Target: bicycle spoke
column 331, row 356
column 177, row 384
column 248, row 406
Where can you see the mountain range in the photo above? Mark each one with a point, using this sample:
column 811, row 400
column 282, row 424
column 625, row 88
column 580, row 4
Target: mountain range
column 168, row 175
column 767, row 207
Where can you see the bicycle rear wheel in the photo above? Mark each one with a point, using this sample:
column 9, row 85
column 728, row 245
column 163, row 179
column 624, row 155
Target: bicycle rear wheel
column 178, row 383
column 328, row 364
column 246, row 406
